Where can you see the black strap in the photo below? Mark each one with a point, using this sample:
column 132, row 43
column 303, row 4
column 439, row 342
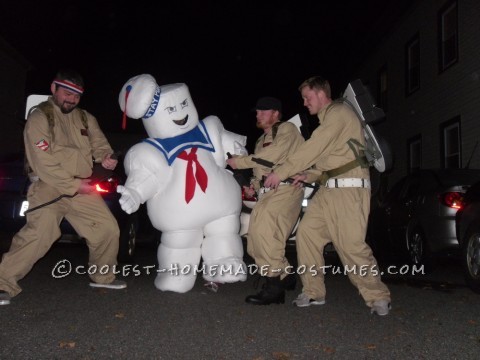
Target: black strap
column 50, row 202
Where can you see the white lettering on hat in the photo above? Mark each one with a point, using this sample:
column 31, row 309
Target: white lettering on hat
column 153, row 106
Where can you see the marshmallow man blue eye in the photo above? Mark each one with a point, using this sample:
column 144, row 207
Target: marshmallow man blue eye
column 184, row 103
column 171, row 109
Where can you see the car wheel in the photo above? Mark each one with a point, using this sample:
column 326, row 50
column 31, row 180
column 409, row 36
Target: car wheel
column 128, row 240
column 471, row 258
column 416, row 247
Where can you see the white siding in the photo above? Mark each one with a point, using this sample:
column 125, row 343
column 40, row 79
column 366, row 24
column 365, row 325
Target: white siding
column 442, row 96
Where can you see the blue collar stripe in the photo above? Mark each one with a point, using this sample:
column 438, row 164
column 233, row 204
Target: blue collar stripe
column 172, row 147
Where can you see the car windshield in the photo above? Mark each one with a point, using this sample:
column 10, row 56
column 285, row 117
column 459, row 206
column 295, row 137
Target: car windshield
column 12, row 174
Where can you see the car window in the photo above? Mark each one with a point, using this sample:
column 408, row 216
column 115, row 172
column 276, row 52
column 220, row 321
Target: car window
column 428, row 183
column 11, row 183
column 454, row 177
column 12, row 175
column 412, row 188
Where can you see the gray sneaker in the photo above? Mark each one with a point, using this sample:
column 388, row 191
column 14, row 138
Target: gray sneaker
column 4, row 298
column 115, row 284
column 303, row 300
column 381, row 307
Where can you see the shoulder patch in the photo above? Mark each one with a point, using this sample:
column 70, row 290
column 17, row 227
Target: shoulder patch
column 42, row 145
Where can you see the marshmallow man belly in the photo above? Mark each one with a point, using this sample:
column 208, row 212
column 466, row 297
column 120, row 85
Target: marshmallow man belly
column 206, row 227
column 169, row 211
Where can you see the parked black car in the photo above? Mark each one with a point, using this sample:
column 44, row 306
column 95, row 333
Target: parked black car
column 13, row 202
column 468, row 235
column 416, row 219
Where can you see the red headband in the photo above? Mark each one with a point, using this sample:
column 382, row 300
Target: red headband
column 69, row 85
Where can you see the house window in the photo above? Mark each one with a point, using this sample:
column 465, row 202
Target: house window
column 415, row 153
column 413, row 65
column 382, row 88
column 451, row 144
column 448, row 35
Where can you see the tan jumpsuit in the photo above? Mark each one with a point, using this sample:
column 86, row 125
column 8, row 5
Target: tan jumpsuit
column 276, row 212
column 338, row 215
column 60, row 164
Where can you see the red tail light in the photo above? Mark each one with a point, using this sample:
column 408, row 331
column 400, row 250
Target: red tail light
column 452, row 199
column 107, row 186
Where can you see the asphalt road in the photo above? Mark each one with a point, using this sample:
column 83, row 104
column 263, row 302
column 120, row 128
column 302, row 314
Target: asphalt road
column 434, row 316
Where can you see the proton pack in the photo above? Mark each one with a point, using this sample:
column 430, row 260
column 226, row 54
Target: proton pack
column 377, row 150
column 41, row 103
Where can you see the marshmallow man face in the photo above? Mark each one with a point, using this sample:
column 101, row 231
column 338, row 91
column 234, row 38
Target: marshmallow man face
column 167, row 111
column 175, row 114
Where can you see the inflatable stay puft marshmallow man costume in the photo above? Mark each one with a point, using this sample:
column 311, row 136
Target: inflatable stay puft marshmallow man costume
column 179, row 171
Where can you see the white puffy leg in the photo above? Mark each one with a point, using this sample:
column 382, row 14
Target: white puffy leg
column 178, row 258
column 222, row 251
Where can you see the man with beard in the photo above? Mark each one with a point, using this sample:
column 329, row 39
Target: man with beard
column 61, row 143
column 274, row 216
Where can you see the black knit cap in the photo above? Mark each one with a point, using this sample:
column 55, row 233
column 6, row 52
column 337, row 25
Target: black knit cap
column 268, row 103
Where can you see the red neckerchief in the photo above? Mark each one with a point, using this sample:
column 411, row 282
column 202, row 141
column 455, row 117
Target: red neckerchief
column 191, row 180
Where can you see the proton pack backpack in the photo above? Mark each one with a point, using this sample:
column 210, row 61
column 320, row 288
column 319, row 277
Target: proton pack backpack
column 377, row 150
column 47, row 109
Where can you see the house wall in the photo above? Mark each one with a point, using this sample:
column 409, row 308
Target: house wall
column 441, row 97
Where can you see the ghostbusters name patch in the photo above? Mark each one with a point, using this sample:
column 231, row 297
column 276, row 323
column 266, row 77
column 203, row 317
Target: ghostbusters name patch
column 42, row 145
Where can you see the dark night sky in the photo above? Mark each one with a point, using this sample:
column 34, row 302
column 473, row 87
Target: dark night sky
column 228, row 52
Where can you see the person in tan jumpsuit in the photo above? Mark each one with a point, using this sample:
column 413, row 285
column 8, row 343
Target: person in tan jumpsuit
column 274, row 216
column 339, row 211
column 60, row 158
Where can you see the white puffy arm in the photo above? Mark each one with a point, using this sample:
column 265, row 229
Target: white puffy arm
column 147, row 174
column 130, row 200
column 224, row 141
column 239, row 149
column 234, row 143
